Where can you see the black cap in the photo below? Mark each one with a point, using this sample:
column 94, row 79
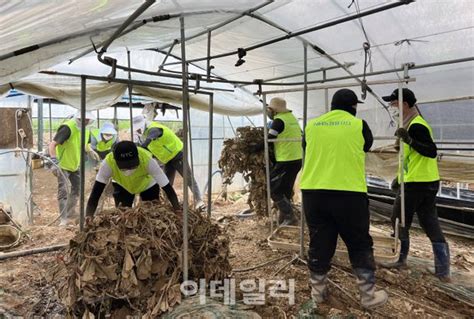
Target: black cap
column 344, row 97
column 126, row 155
column 408, row 96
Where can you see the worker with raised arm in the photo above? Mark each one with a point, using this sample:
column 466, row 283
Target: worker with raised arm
column 65, row 151
column 421, row 178
column 335, row 198
column 133, row 171
column 163, row 143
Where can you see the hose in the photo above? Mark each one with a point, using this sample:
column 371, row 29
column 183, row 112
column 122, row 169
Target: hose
column 68, row 188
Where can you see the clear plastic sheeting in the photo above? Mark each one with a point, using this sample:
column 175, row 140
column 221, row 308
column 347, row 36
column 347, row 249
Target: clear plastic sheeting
column 15, row 185
column 452, row 167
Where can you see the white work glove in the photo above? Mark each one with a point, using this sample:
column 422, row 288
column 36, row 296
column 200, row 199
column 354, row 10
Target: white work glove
column 92, row 154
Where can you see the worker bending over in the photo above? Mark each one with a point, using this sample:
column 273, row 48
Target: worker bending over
column 133, row 171
column 163, row 143
column 335, row 197
column 421, row 178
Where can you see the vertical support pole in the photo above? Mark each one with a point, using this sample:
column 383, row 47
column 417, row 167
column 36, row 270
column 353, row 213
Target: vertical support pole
column 98, row 119
column 115, row 120
column 208, row 66
column 209, row 164
column 39, row 103
column 191, row 157
column 29, row 174
column 326, row 95
column 184, row 70
column 50, row 122
column 83, row 151
column 401, row 157
column 130, row 103
column 305, row 118
column 267, row 161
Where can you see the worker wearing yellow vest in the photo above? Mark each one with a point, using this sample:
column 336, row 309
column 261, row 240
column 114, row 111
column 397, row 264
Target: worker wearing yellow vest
column 421, row 178
column 287, row 158
column 65, row 151
column 163, row 143
column 335, row 196
column 133, row 171
column 104, row 139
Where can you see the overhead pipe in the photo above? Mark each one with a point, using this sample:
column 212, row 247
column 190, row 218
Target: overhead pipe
column 308, row 30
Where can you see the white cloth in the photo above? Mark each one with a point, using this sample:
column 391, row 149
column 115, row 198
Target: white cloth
column 159, row 177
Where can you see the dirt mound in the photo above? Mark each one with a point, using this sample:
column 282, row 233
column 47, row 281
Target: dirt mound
column 128, row 261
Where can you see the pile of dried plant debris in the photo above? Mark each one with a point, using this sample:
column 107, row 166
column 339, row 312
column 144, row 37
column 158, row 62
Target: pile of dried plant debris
column 128, row 262
column 236, row 158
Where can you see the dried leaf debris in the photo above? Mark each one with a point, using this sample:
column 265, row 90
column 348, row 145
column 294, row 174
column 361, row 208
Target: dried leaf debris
column 236, row 158
column 128, row 261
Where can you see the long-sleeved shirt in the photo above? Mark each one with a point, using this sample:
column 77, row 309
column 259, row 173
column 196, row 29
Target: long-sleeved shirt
column 105, row 174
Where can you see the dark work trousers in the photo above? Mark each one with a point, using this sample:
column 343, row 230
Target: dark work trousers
column 332, row 213
column 282, row 179
column 68, row 203
column 176, row 164
column 420, row 198
column 125, row 199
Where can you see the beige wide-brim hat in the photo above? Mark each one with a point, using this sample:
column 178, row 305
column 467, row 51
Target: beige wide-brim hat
column 278, row 105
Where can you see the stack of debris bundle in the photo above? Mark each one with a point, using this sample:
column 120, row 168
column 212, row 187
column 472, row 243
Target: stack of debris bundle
column 128, row 261
column 236, row 158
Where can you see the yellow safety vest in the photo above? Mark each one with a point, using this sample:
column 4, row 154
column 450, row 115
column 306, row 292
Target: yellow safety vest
column 335, row 157
column 139, row 180
column 416, row 167
column 69, row 153
column 103, row 146
column 288, row 151
column 167, row 146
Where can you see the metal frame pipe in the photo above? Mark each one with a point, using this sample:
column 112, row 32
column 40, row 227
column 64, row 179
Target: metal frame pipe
column 191, row 156
column 335, row 86
column 39, row 104
column 210, row 149
column 305, row 118
column 50, row 124
column 185, row 150
column 308, row 30
column 83, row 154
column 401, row 158
column 130, row 92
column 220, row 25
column 267, row 162
column 142, row 8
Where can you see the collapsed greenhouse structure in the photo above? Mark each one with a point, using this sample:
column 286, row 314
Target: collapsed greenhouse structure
column 216, row 65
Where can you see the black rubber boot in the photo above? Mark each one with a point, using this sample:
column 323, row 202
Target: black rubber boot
column 441, row 261
column 286, row 216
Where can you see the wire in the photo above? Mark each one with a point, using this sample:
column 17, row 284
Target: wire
column 68, row 183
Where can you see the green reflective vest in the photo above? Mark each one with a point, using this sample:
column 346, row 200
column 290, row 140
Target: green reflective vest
column 167, row 146
column 416, row 167
column 335, row 157
column 139, row 180
column 69, row 153
column 103, row 146
column 288, row 151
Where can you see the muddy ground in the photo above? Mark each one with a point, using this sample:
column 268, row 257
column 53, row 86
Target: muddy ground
column 414, row 293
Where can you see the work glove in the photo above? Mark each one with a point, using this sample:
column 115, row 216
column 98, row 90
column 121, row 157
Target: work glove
column 93, row 155
column 395, row 186
column 53, row 165
column 402, row 133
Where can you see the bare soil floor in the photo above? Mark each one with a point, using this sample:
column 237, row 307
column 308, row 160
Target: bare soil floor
column 414, row 293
